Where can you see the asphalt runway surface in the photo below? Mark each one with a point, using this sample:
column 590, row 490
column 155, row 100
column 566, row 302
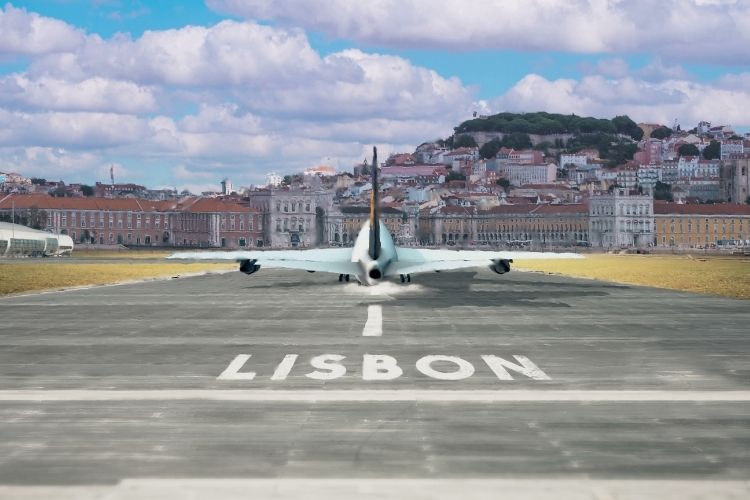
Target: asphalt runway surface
column 291, row 385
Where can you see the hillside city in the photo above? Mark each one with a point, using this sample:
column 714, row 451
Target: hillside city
column 535, row 180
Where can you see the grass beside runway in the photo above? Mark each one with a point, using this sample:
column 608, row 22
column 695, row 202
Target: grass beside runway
column 26, row 275
column 725, row 276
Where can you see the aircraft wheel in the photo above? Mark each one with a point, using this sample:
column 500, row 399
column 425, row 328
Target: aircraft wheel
column 408, row 278
column 347, row 278
column 341, row 278
column 403, row 279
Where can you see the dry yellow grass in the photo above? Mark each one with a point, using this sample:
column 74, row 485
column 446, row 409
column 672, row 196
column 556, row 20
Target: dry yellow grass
column 36, row 274
column 725, row 276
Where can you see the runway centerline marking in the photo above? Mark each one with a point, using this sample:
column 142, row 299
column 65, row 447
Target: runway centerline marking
column 378, row 395
column 374, row 324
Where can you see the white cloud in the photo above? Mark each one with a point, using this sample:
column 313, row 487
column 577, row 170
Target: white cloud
column 26, row 33
column 703, row 30
column 390, row 87
column 181, row 172
column 70, row 130
column 662, row 102
column 93, row 94
column 48, row 163
column 228, row 53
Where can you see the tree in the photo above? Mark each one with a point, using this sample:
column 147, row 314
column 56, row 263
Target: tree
column 36, row 218
column 661, row 133
column 504, row 183
column 747, row 200
column 455, row 176
column 663, row 191
column 490, row 149
column 87, row 190
column 37, row 181
column 464, row 141
column 688, row 150
column 516, row 140
column 712, row 151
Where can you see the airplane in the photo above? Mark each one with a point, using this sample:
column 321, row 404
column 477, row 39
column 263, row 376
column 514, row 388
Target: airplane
column 374, row 256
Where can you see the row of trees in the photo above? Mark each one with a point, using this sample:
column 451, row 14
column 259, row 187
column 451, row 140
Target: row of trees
column 551, row 123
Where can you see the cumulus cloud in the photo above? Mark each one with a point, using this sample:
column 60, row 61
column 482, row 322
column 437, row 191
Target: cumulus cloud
column 28, row 33
column 662, row 102
column 704, row 30
column 49, row 163
column 69, row 130
column 226, row 54
column 92, row 94
column 390, row 86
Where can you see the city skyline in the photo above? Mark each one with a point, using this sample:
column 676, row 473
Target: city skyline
column 184, row 94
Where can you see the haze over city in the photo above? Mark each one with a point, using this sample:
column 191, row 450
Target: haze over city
column 183, row 94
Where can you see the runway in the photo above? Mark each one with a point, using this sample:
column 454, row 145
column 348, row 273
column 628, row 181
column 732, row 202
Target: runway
column 287, row 383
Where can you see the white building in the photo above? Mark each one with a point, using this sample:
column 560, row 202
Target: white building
column 621, row 219
column 578, row 160
column 729, row 148
column 518, row 175
column 648, row 176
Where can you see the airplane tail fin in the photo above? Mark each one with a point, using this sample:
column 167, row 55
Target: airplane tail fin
column 374, row 250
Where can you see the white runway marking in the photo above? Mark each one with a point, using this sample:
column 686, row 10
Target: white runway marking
column 374, row 324
column 384, row 395
column 537, row 488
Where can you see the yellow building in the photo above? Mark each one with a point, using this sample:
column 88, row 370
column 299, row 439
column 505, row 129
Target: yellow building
column 697, row 226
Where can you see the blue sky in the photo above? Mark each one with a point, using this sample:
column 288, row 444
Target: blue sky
column 184, row 93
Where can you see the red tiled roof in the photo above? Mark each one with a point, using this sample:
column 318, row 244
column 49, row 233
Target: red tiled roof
column 667, row 208
column 46, row 202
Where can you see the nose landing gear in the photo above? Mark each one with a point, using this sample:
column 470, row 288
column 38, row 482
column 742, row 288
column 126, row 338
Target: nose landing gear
column 405, row 278
column 343, row 277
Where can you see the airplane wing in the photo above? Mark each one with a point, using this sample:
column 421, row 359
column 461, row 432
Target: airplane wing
column 328, row 260
column 418, row 260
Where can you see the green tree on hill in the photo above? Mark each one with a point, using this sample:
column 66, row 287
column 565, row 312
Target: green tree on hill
column 464, row 141
column 688, row 150
column 490, row 149
column 712, row 151
column 516, row 140
column 661, row 133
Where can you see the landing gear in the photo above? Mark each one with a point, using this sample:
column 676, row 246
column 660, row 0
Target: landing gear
column 405, row 278
column 343, row 277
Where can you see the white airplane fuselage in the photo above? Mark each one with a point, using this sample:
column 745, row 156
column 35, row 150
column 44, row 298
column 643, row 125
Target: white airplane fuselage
column 372, row 270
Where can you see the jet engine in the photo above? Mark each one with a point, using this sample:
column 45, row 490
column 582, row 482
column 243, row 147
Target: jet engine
column 501, row 266
column 249, row 266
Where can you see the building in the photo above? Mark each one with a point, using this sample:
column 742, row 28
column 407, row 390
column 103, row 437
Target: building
column 292, row 217
column 649, row 153
column 520, row 174
column 423, row 174
column 226, row 187
column 735, row 179
column 622, row 218
column 731, row 148
column 700, row 225
column 189, row 222
column 343, row 224
column 528, row 225
column 577, row 160
column 118, row 190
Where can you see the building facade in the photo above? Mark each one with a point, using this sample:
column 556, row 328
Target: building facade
column 190, row 222
column 538, row 226
column 701, row 226
column 292, row 217
column 621, row 219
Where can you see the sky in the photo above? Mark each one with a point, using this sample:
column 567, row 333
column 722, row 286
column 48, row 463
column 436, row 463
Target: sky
column 181, row 94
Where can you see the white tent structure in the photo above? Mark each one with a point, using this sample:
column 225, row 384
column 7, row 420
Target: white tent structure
column 16, row 239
